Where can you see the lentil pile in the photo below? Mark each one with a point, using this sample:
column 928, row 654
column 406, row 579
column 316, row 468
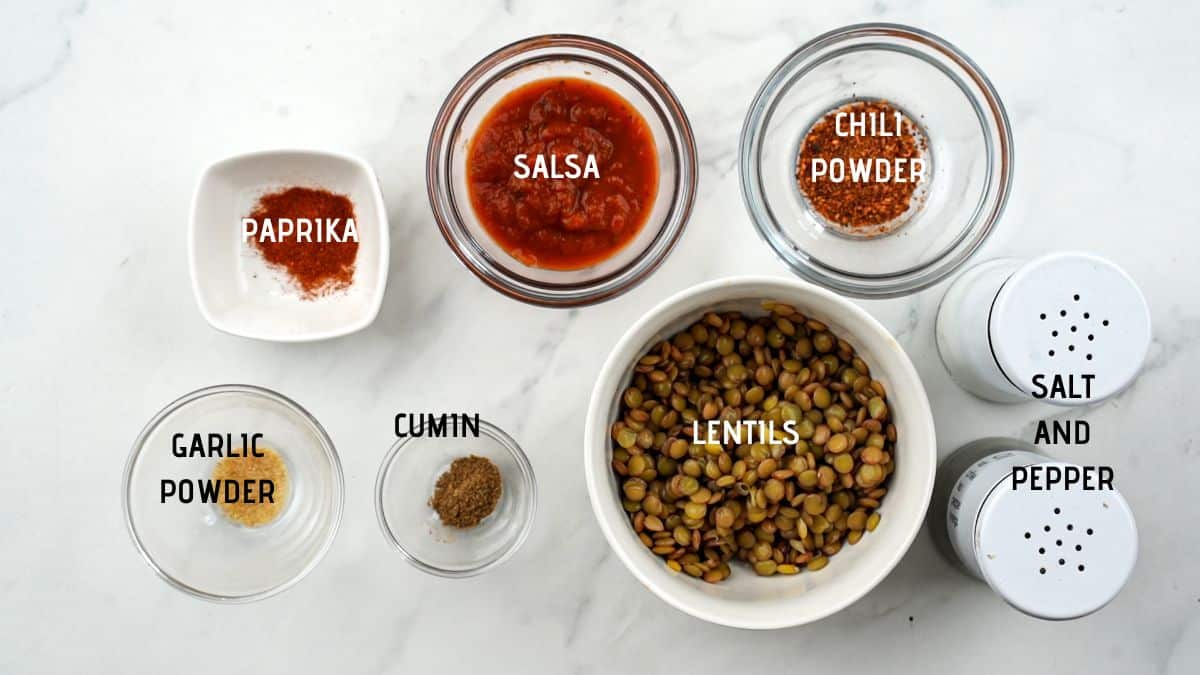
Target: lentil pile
column 780, row 508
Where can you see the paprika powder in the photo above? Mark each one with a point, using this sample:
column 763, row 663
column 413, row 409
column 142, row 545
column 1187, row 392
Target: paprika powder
column 318, row 265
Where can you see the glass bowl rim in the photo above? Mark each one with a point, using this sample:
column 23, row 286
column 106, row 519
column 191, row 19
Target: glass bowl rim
column 527, row 480
column 447, row 123
column 327, row 447
column 988, row 214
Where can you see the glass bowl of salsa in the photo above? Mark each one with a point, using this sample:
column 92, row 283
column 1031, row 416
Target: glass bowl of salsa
column 561, row 170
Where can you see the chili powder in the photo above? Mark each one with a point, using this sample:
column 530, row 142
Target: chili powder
column 317, row 268
column 859, row 206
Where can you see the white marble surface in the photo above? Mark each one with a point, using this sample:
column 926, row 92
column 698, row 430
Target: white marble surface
column 108, row 111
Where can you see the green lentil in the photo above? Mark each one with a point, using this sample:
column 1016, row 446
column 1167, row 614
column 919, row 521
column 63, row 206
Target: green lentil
column 873, row 521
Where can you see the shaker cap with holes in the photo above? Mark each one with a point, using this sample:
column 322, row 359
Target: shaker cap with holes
column 1073, row 315
column 1055, row 554
column 1068, row 328
column 1052, row 553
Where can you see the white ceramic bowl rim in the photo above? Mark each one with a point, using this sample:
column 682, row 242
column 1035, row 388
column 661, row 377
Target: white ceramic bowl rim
column 611, row 379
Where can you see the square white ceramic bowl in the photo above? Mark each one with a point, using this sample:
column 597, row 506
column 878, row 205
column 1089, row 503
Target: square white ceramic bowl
column 237, row 292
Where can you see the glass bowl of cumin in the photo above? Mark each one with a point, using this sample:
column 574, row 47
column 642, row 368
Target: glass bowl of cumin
column 966, row 142
column 404, row 503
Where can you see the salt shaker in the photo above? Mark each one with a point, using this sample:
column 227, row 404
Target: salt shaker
column 1058, row 553
column 1069, row 328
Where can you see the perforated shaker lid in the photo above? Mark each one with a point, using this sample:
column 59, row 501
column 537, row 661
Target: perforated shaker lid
column 1070, row 314
column 1056, row 554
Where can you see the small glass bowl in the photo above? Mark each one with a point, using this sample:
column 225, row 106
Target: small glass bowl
column 969, row 151
column 193, row 546
column 538, row 58
column 406, row 482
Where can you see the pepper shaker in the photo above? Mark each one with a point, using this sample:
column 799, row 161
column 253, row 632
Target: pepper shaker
column 1070, row 328
column 1055, row 553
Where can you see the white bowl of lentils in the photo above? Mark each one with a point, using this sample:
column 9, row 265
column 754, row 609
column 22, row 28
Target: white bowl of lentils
column 759, row 535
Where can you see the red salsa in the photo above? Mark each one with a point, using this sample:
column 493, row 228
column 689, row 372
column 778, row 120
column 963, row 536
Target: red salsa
column 562, row 173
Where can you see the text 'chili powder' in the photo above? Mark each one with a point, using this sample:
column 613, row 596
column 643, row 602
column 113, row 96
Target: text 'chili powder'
column 860, row 202
column 317, row 268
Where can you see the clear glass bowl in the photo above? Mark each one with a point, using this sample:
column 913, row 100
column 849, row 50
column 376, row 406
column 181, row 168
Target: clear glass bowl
column 969, row 151
column 406, row 482
column 195, row 547
column 538, row 58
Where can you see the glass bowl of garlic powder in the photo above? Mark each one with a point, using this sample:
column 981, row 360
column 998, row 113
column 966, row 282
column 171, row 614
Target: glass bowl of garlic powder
column 233, row 493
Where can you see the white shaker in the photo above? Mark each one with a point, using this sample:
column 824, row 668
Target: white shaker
column 1011, row 330
column 1055, row 553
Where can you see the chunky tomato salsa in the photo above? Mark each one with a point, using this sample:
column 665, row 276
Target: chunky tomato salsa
column 562, row 173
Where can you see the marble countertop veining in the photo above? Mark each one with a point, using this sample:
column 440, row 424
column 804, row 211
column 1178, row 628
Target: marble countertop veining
column 108, row 112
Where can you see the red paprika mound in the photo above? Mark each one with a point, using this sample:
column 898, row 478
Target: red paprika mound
column 317, row 267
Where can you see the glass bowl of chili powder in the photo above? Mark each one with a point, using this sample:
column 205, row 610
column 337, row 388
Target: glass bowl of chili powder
column 961, row 128
column 561, row 235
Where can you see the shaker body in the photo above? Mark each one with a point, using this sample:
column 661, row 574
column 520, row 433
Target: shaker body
column 962, row 331
column 1051, row 552
column 971, row 488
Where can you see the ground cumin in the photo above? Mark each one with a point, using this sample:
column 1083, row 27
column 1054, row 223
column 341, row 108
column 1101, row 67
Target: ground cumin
column 858, row 205
column 468, row 492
